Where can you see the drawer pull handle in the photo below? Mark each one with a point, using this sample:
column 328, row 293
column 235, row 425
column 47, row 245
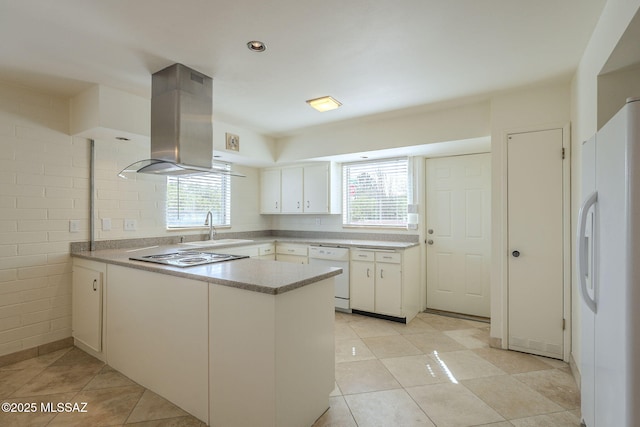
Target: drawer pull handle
column 368, row 273
column 95, row 285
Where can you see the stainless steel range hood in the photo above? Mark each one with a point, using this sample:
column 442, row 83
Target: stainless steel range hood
column 181, row 125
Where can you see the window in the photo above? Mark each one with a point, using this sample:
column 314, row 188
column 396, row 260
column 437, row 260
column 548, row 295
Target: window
column 375, row 193
column 189, row 198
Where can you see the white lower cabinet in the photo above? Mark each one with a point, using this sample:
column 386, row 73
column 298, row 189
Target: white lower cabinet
column 86, row 323
column 158, row 334
column 291, row 252
column 385, row 282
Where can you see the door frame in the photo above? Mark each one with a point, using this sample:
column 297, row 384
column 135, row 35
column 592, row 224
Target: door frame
column 503, row 257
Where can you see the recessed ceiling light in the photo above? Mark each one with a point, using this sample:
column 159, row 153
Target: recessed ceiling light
column 325, row 103
column 256, row 46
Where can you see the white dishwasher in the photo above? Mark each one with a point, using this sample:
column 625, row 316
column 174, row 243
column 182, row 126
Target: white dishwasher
column 329, row 256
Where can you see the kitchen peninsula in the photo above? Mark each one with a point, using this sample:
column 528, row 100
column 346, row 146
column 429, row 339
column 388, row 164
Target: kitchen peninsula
column 243, row 342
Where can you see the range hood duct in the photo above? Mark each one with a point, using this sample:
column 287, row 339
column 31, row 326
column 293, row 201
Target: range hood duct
column 181, row 125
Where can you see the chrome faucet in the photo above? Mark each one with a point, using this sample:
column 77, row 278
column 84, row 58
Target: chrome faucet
column 209, row 221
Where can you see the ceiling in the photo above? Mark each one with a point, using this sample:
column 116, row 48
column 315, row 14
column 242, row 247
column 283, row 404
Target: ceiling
column 372, row 55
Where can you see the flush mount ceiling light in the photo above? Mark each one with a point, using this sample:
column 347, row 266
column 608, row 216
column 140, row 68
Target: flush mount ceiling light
column 325, row 103
column 256, row 46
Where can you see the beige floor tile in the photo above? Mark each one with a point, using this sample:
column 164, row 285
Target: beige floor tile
column 154, row 407
column 40, row 417
column 512, row 362
column 557, row 385
column 511, row 398
column 470, row 338
column 352, row 351
column 386, row 408
column 364, row 376
column 187, row 421
column 10, row 381
column 37, row 362
column 367, row 327
column 59, row 379
column 107, row 378
column 555, row 363
column 77, row 357
column 453, row 405
column 411, row 371
column 499, row 424
column 559, row 419
column 105, row 407
column 465, row 365
column 430, row 341
column 336, row 391
column 391, row 346
column 415, row 326
column 338, row 415
column 444, row 323
column 342, row 331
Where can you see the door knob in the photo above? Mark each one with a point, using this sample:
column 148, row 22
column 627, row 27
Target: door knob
column 516, row 254
column 430, row 242
column 430, row 231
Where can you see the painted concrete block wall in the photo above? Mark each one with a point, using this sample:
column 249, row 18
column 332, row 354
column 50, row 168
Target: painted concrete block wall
column 43, row 184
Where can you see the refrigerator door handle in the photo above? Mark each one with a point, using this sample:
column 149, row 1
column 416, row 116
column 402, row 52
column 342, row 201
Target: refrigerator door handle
column 582, row 250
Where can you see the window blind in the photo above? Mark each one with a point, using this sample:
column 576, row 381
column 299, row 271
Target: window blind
column 375, row 193
column 189, row 199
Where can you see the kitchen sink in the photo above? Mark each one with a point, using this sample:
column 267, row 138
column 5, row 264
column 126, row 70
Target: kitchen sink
column 216, row 242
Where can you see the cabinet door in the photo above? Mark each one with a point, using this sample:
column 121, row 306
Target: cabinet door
column 389, row 289
column 362, row 277
column 292, row 187
column 270, row 191
column 87, row 307
column 296, row 259
column 316, row 189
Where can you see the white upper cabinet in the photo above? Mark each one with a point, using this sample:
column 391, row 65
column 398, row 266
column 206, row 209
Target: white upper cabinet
column 292, row 190
column 270, row 191
column 310, row 189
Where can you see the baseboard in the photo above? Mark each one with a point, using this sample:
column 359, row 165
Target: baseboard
column 19, row 356
column 574, row 370
column 495, row 342
column 457, row 315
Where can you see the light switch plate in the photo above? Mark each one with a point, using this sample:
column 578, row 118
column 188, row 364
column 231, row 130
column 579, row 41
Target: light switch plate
column 106, row 224
column 74, row 226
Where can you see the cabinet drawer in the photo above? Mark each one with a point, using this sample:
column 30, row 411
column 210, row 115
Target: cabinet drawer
column 391, row 257
column 360, row 255
column 267, row 250
column 292, row 250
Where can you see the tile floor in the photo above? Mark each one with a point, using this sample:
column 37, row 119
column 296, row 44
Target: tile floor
column 435, row 371
column 439, row 371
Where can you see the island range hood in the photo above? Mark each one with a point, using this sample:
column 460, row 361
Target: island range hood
column 181, row 125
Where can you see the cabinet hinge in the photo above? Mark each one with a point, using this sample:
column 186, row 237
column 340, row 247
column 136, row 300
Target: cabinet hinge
column 564, row 324
column 563, row 154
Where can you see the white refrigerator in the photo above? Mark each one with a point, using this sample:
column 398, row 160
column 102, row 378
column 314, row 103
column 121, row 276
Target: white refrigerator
column 608, row 258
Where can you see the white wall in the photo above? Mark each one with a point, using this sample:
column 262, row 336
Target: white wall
column 44, row 183
column 387, row 131
column 536, row 107
column 615, row 17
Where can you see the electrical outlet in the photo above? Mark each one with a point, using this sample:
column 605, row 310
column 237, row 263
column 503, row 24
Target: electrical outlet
column 74, row 226
column 106, row 224
column 130, row 225
column 318, row 221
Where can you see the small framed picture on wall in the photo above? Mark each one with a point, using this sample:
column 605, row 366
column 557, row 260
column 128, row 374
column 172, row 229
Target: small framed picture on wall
column 233, row 142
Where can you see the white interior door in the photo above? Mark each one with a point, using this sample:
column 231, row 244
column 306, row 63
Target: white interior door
column 458, row 234
column 535, row 242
